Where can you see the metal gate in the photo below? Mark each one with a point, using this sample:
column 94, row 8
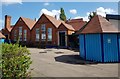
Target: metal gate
column 110, row 47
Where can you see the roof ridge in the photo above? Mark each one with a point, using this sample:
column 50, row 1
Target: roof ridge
column 29, row 22
column 71, row 27
column 57, row 23
column 98, row 16
column 101, row 24
column 27, row 18
column 51, row 17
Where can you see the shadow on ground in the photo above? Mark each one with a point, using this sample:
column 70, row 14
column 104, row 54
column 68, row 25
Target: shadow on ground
column 77, row 60
column 73, row 59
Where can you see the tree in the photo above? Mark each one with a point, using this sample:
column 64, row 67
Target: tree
column 91, row 15
column 62, row 14
column 15, row 61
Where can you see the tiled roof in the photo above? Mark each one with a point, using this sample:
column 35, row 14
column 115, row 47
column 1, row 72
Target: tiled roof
column 98, row 24
column 30, row 23
column 76, row 23
column 68, row 26
column 53, row 20
column 58, row 22
column 1, row 35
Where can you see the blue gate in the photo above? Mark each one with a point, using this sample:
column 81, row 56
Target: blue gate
column 93, row 47
column 110, row 47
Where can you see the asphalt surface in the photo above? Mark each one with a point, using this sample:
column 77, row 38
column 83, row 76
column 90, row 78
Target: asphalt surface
column 67, row 63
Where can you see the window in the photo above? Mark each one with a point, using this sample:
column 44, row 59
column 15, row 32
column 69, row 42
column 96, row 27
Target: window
column 25, row 35
column 43, row 30
column 20, row 33
column 37, row 34
column 43, row 27
column 49, row 34
column 15, row 35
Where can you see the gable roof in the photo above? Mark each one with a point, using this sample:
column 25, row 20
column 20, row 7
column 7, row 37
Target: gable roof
column 58, row 22
column 98, row 24
column 29, row 22
column 77, row 24
column 68, row 26
column 1, row 35
column 53, row 20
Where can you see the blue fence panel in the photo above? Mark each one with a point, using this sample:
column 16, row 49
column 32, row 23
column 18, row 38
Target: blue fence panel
column 110, row 47
column 93, row 47
column 81, row 45
column 119, row 46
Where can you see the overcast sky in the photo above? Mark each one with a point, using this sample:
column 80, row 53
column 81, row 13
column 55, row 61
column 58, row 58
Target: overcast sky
column 72, row 9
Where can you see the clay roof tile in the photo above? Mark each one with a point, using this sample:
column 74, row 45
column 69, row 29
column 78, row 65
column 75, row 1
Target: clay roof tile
column 29, row 22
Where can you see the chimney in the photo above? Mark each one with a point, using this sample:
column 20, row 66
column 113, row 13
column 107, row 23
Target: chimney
column 7, row 21
column 35, row 19
column 55, row 17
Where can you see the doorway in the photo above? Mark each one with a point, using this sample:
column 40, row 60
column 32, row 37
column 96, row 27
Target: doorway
column 62, row 39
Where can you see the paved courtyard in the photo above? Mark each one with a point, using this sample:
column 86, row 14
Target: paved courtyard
column 66, row 63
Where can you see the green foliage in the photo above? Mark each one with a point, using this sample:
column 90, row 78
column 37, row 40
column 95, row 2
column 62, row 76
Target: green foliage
column 91, row 15
column 62, row 14
column 15, row 61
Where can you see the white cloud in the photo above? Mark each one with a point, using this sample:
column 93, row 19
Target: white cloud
column 73, row 11
column 85, row 18
column 46, row 4
column 103, row 11
column 7, row 2
column 51, row 13
column 1, row 24
column 100, row 11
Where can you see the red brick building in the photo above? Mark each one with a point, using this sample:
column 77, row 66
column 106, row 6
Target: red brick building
column 47, row 31
column 22, row 30
column 50, row 31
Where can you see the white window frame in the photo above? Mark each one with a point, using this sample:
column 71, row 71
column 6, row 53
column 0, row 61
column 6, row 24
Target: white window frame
column 37, row 35
column 20, row 33
column 49, row 34
column 43, row 32
column 25, row 35
column 43, row 28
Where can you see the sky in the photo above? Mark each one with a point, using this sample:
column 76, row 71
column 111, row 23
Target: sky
column 73, row 10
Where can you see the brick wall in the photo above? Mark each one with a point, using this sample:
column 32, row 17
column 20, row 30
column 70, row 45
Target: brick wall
column 20, row 23
column 44, row 20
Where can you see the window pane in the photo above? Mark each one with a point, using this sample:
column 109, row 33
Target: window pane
column 43, row 27
column 43, row 30
column 37, row 34
column 49, row 34
column 20, row 33
column 25, row 35
column 50, row 38
column 43, row 36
